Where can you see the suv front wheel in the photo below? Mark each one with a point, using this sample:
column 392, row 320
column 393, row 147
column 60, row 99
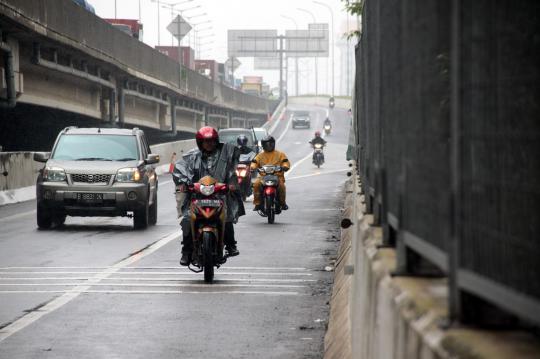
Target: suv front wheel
column 140, row 217
column 44, row 218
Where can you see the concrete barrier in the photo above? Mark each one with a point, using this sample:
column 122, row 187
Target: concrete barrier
column 18, row 170
column 397, row 317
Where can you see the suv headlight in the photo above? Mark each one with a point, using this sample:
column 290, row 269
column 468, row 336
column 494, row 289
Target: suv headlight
column 54, row 174
column 129, row 174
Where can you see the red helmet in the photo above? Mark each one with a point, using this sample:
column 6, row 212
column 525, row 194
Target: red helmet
column 317, row 133
column 206, row 133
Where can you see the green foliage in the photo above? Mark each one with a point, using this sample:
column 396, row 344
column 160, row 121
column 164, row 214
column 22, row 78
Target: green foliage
column 354, row 7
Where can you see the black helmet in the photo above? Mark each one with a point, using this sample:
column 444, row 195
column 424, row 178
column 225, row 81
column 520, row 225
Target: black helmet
column 242, row 140
column 268, row 143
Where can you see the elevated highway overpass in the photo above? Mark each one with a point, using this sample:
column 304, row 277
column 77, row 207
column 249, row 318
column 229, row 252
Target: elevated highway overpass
column 56, row 55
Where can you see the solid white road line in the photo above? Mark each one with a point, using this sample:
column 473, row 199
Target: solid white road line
column 68, row 296
column 78, row 292
column 159, row 267
column 117, row 271
column 168, row 279
column 175, row 285
column 317, row 174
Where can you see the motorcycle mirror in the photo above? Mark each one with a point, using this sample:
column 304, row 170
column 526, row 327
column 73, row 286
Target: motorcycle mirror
column 346, row 223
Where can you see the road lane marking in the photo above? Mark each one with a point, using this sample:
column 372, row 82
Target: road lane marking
column 163, row 267
column 174, row 285
column 317, row 174
column 16, row 216
column 286, row 129
column 68, row 296
column 78, row 292
column 113, row 271
column 168, row 279
column 288, row 173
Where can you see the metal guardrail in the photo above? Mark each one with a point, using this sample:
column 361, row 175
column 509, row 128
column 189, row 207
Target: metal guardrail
column 447, row 146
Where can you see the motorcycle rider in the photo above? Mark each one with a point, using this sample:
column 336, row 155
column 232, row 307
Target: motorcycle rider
column 243, row 148
column 270, row 156
column 218, row 160
column 317, row 140
column 327, row 122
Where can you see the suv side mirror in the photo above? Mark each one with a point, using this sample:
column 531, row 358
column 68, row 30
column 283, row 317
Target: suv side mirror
column 152, row 159
column 41, row 156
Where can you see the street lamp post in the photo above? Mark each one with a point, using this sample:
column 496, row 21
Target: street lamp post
column 295, row 58
column 316, row 58
column 332, row 42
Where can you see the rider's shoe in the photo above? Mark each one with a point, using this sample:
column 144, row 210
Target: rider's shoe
column 232, row 250
column 284, row 207
column 186, row 259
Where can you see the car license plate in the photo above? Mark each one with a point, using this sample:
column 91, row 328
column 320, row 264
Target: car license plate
column 90, row 197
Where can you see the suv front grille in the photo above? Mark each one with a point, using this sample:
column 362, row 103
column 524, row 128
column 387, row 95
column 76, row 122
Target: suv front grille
column 91, row 178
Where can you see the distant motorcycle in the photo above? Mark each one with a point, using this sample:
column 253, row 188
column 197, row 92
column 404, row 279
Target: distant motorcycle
column 207, row 226
column 318, row 155
column 269, row 196
column 243, row 173
column 327, row 128
column 331, row 102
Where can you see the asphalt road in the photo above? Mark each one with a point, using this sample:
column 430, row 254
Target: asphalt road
column 96, row 288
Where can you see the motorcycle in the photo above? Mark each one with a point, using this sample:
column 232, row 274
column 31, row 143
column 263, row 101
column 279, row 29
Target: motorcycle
column 269, row 195
column 243, row 173
column 207, row 226
column 331, row 102
column 318, row 155
column 327, row 129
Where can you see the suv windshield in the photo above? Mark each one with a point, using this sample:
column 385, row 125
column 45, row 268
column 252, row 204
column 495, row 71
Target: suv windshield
column 96, row 148
column 231, row 136
column 260, row 134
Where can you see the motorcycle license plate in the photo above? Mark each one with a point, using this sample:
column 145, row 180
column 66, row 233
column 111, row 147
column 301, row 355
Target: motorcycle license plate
column 90, row 197
column 209, row 203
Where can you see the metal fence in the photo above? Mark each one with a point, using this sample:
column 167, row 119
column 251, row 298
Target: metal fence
column 447, row 98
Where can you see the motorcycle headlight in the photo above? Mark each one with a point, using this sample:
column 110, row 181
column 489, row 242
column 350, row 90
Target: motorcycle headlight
column 128, row 175
column 269, row 183
column 327, row 127
column 318, row 146
column 54, row 174
column 242, row 173
column 207, row 190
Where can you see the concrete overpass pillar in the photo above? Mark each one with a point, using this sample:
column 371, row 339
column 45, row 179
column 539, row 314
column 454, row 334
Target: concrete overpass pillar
column 206, row 116
column 173, row 116
column 112, row 106
column 121, row 107
column 229, row 120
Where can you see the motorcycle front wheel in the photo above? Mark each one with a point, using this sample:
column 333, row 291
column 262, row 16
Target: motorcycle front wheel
column 208, row 256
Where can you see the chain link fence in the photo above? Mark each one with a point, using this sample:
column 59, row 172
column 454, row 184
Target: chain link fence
column 447, row 114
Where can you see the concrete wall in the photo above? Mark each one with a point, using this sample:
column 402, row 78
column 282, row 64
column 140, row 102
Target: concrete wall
column 400, row 317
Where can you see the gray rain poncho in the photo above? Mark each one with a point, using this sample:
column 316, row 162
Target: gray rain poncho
column 221, row 165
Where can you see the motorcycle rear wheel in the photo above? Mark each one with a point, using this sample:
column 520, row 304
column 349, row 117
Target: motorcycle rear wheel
column 208, row 256
column 270, row 210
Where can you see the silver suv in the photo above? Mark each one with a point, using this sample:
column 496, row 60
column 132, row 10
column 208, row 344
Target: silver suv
column 97, row 172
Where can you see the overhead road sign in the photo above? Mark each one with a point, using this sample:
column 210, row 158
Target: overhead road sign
column 252, row 43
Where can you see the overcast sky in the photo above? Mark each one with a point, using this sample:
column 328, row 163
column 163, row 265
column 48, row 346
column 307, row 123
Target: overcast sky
column 233, row 14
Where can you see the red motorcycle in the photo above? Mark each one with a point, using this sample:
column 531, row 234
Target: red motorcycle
column 243, row 172
column 207, row 226
column 269, row 195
